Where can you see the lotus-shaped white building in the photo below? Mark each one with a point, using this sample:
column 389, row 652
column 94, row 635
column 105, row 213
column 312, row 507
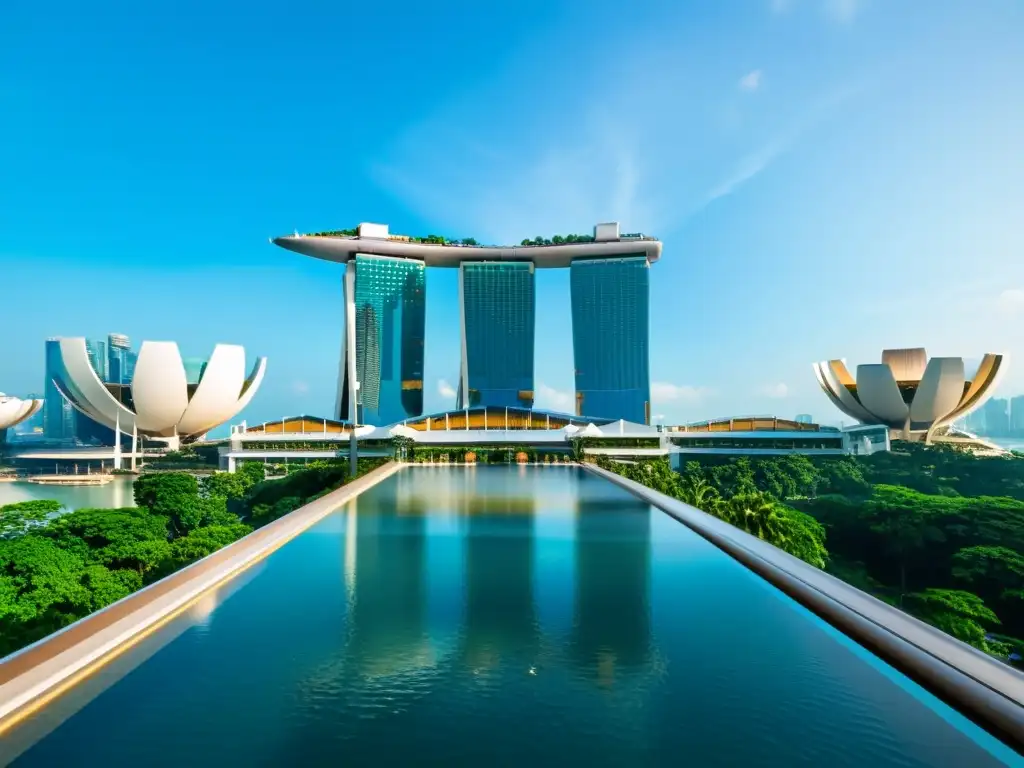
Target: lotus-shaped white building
column 917, row 397
column 161, row 402
column 14, row 410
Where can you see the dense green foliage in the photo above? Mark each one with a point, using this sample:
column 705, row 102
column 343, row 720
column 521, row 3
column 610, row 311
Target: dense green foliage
column 739, row 503
column 934, row 530
column 429, row 239
column 17, row 518
column 56, row 569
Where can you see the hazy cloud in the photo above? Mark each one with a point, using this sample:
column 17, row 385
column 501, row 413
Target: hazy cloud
column 663, row 391
column 776, row 391
column 751, row 81
column 843, row 11
column 757, row 161
column 300, row 388
column 445, row 390
column 551, row 399
column 1010, row 302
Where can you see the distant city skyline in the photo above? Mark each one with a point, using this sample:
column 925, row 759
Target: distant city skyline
column 787, row 154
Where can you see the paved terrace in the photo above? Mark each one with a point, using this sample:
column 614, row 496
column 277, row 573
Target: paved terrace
column 33, row 676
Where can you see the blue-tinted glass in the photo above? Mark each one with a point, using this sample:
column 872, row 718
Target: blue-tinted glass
column 390, row 308
column 58, row 415
column 610, row 322
column 497, row 327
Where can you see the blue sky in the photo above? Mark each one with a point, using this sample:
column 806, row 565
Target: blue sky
column 829, row 177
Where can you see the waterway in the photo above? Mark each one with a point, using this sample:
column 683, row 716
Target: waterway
column 500, row 616
column 116, row 493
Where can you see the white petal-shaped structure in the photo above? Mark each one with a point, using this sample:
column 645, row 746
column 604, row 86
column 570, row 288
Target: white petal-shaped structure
column 159, row 402
column 836, row 380
column 159, row 388
column 218, row 389
column 13, row 410
column 908, row 392
column 939, row 391
column 879, row 394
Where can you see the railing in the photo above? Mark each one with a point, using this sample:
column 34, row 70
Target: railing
column 983, row 689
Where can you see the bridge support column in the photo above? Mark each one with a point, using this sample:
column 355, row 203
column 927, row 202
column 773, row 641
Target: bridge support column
column 135, row 444
column 118, row 457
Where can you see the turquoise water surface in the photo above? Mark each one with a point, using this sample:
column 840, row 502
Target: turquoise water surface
column 500, row 616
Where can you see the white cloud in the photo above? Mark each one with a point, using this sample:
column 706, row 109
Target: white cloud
column 843, row 11
column 551, row 399
column 300, row 388
column 751, row 165
column 776, row 391
column 659, row 417
column 751, row 81
column 663, row 392
column 1010, row 302
column 445, row 390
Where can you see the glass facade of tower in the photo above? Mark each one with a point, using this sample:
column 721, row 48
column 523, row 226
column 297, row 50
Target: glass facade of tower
column 120, row 359
column 58, row 413
column 610, row 334
column 498, row 309
column 390, row 311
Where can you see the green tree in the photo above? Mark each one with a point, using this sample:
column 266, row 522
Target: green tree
column 227, row 485
column 579, row 451
column 961, row 614
column 22, row 516
column 174, row 495
column 997, row 572
column 756, row 514
column 204, row 541
column 906, row 526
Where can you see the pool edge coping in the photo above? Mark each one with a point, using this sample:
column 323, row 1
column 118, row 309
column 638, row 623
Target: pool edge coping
column 989, row 693
column 51, row 669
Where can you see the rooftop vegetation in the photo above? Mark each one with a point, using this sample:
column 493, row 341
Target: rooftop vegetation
column 470, row 241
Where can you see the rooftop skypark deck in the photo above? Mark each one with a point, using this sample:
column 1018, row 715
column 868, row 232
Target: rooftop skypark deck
column 435, row 251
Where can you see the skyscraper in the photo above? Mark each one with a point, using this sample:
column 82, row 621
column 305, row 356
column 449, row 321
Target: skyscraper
column 610, row 333
column 120, row 362
column 385, row 315
column 997, row 417
column 58, row 413
column 497, row 306
column 97, row 351
column 1017, row 415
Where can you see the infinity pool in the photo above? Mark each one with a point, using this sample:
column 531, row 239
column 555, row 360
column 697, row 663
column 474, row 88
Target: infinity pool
column 500, row 616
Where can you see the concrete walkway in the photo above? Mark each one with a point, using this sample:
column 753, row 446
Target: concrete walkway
column 35, row 675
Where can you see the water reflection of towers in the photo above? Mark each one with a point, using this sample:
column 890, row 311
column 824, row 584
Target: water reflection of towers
column 495, row 516
column 611, row 633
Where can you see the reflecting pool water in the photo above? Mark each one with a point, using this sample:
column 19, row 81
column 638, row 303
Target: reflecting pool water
column 500, row 616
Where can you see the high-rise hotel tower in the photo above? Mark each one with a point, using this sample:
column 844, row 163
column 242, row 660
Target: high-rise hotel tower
column 381, row 376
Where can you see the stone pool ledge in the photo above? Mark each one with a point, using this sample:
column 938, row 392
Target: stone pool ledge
column 32, row 677
column 980, row 687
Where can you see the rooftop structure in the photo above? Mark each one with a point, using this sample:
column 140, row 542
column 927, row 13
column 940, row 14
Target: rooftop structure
column 384, row 292
column 916, row 397
column 375, row 239
column 768, row 435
